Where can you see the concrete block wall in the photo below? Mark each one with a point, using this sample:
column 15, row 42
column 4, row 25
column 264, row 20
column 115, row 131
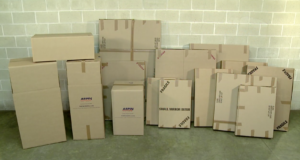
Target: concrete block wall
column 270, row 27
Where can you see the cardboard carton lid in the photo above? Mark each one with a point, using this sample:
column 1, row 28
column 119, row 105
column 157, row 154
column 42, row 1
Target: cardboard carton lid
column 21, row 62
column 62, row 35
column 129, row 83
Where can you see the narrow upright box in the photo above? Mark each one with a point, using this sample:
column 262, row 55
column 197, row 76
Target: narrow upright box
column 205, row 94
column 128, row 107
column 256, row 111
column 85, row 96
column 240, row 67
column 72, row 46
column 285, row 78
column 175, row 103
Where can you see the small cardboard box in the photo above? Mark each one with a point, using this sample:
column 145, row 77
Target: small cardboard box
column 175, row 103
column 126, row 34
column 26, row 76
column 205, row 93
column 285, row 78
column 128, row 107
column 227, row 97
column 256, row 111
column 71, row 46
column 240, row 67
column 226, row 51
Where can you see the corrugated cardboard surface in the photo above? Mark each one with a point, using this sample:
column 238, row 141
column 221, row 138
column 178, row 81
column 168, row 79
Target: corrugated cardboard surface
column 40, row 117
column 227, row 95
column 240, row 67
column 72, row 46
column 175, row 103
column 119, row 71
column 205, row 93
column 128, row 108
column 255, row 111
column 129, row 34
column 26, row 76
column 87, row 115
column 285, row 78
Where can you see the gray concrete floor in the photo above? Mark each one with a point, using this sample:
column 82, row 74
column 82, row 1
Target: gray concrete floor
column 194, row 143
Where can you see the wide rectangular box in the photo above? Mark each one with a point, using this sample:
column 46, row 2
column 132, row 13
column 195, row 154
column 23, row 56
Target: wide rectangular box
column 256, row 111
column 128, row 107
column 40, row 117
column 127, row 34
column 240, row 67
column 26, row 76
column 285, row 78
column 227, row 97
column 175, row 103
column 70, row 46
column 205, row 94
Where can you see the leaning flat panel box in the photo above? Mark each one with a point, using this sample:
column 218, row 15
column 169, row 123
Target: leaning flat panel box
column 205, row 93
column 227, row 97
column 240, row 67
column 127, row 34
column 85, row 97
column 256, row 111
column 175, row 103
column 128, row 107
column 285, row 78
column 72, row 46
column 37, row 100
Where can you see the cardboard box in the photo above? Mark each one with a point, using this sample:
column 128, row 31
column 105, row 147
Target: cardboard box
column 71, row 46
column 285, row 77
column 175, row 103
column 227, row 97
column 119, row 71
column 205, row 94
column 26, row 76
column 240, row 67
column 128, row 107
column 226, row 51
column 256, row 111
column 40, row 117
column 127, row 34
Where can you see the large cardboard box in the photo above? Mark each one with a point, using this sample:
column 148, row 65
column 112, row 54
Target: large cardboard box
column 205, row 93
column 256, row 111
column 226, row 51
column 285, row 77
column 71, row 46
column 119, row 71
column 227, row 97
column 128, row 107
column 240, row 67
column 127, row 34
column 175, row 103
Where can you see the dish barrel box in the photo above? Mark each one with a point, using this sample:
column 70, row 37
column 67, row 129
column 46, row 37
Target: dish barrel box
column 37, row 101
column 70, row 46
column 85, row 97
column 205, row 94
column 175, row 103
column 128, row 107
column 127, row 34
column 240, row 67
column 256, row 111
column 285, row 77
column 227, row 97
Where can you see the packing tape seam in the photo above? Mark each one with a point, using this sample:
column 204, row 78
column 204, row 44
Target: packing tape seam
column 82, row 66
column 88, row 132
column 132, row 40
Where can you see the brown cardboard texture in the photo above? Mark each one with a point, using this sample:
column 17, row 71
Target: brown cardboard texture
column 119, row 71
column 71, row 46
column 175, row 103
column 26, row 76
column 285, row 78
column 255, row 111
column 129, row 34
column 240, row 67
column 40, row 117
column 205, row 93
column 128, row 107
column 227, row 97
